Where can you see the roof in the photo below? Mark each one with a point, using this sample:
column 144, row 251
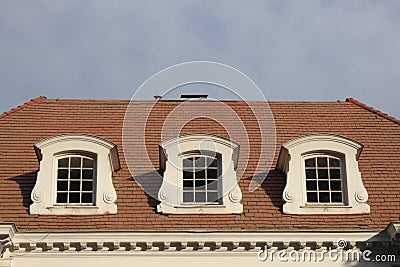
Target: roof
column 41, row 118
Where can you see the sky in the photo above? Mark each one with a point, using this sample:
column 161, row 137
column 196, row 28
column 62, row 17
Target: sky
column 303, row 50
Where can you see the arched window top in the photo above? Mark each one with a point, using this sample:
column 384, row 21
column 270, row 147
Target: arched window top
column 78, row 142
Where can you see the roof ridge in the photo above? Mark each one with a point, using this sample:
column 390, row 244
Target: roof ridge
column 21, row 107
column 373, row 110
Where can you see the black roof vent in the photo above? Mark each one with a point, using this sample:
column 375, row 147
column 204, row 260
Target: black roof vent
column 190, row 96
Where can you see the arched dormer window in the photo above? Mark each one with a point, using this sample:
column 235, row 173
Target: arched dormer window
column 75, row 176
column 199, row 175
column 322, row 175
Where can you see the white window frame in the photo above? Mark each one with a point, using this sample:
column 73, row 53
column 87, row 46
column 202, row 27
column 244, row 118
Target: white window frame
column 171, row 191
column 44, row 192
column 291, row 162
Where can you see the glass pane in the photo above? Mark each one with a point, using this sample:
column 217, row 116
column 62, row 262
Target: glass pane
column 323, row 185
column 337, row 197
column 310, row 162
column 87, row 174
column 62, row 197
column 188, row 197
column 200, row 183
column 211, row 162
column 62, row 174
column 336, row 185
column 87, row 163
column 187, row 175
column 188, row 163
column 75, row 174
column 75, row 162
column 335, row 173
column 323, row 174
column 200, row 162
column 87, row 186
column 200, row 197
column 212, row 184
column 87, row 198
column 200, row 174
column 324, row 197
column 334, row 162
column 322, row 162
column 311, row 174
column 311, row 185
column 212, row 173
column 312, row 197
column 212, row 196
column 62, row 186
column 74, row 198
column 74, row 185
column 188, row 184
column 63, row 162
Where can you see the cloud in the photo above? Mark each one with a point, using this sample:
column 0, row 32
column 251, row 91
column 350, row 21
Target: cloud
column 294, row 50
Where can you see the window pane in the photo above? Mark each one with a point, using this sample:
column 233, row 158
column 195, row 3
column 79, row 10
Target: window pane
column 212, row 196
column 322, row 162
column 311, row 185
column 188, row 197
column 62, row 185
column 200, row 197
column 323, row 185
column 324, row 197
column 74, row 198
column 336, row 197
column 335, row 173
column 188, row 163
column 336, row 185
column 62, row 197
column 310, row 174
column 87, row 163
column 334, row 162
column 87, row 174
column 75, row 162
column 63, row 163
column 74, row 185
column 212, row 184
column 75, row 174
column 200, row 183
column 187, row 175
column 212, row 173
column 323, row 174
column 200, row 174
column 62, row 174
column 312, row 197
column 310, row 162
column 188, row 184
column 87, row 186
column 211, row 162
column 200, row 162
column 87, row 197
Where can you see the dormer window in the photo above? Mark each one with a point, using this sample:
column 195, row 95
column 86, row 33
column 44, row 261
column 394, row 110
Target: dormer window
column 322, row 175
column 75, row 176
column 199, row 176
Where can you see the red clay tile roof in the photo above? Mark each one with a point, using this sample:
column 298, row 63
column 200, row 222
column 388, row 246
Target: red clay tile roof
column 379, row 164
column 30, row 102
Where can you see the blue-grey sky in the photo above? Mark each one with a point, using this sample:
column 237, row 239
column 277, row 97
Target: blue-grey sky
column 294, row 50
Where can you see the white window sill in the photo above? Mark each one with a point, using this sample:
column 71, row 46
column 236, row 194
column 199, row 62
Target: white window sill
column 198, row 209
column 73, row 210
